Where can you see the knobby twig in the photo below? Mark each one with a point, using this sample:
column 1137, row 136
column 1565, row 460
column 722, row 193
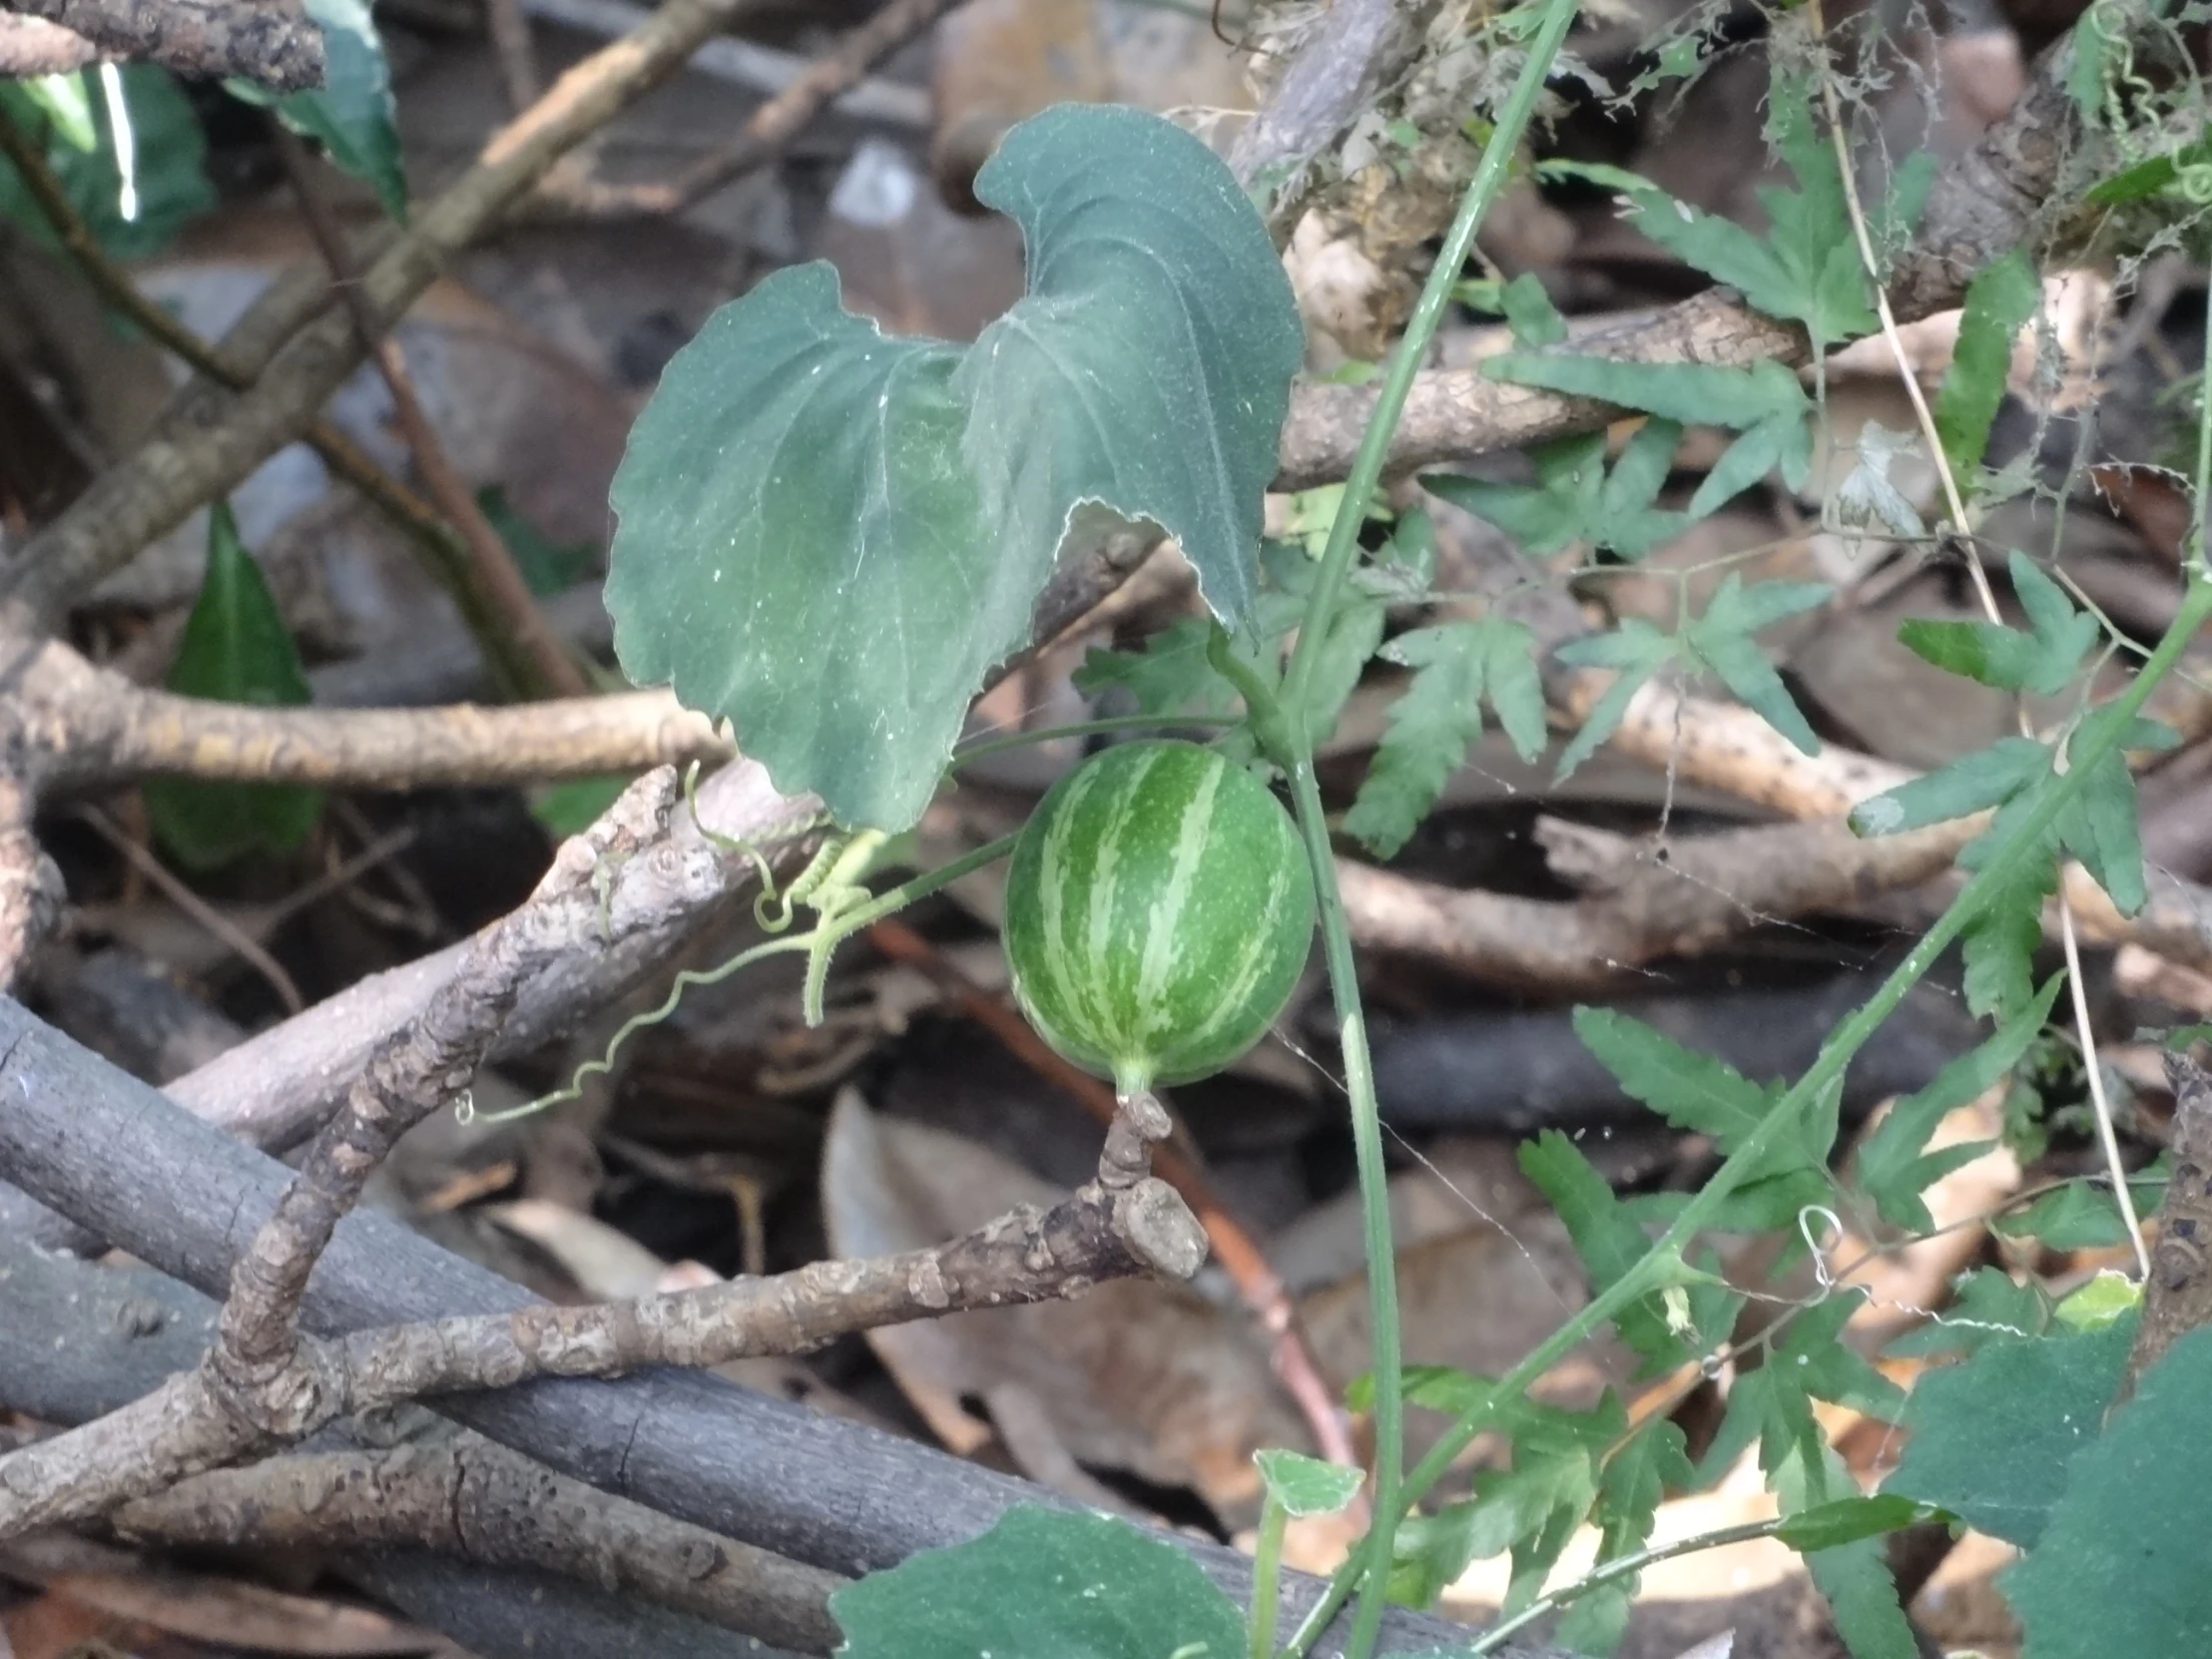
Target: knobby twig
column 767, row 133
column 416, row 1070
column 1257, row 1282
column 474, row 1500
column 518, row 636
column 816, row 1489
column 273, row 43
column 260, row 1384
column 2177, row 1292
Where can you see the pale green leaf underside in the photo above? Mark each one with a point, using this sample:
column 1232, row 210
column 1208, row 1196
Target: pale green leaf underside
column 827, row 536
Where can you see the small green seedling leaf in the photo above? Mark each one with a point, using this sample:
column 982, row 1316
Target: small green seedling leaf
column 1807, row 268
column 1637, row 1478
column 1972, row 784
column 1607, row 1238
column 1894, row 1168
column 1846, row 1520
column 1170, row 676
column 1456, row 665
column 2121, row 1566
column 827, row 536
column 2100, row 827
column 1041, row 1584
column 1305, row 1486
column 2104, row 1300
column 1998, row 301
column 1765, row 402
column 2042, row 661
column 351, row 114
column 1559, row 508
column 1692, row 393
column 1529, row 313
column 1690, row 1090
column 236, row 648
column 1806, row 1476
column 2077, row 1216
column 1530, row 1508
column 1635, row 651
column 2150, row 178
column 1991, row 1439
column 1721, row 639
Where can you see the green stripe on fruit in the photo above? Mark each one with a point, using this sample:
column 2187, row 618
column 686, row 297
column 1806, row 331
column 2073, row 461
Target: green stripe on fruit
column 1159, row 911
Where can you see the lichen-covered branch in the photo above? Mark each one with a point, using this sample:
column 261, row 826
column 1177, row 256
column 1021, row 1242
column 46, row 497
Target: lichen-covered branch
column 270, row 41
column 2177, row 1297
column 1025, row 1255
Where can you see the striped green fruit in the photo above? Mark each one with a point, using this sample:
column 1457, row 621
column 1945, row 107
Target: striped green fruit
column 1159, row 910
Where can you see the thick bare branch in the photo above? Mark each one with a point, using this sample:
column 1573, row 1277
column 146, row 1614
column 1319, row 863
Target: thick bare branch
column 476, row 1501
column 90, row 728
column 87, row 1339
column 1694, row 893
column 1026, row 1255
column 273, row 42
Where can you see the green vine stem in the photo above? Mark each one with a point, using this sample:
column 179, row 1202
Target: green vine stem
column 817, row 943
column 1288, row 717
column 1267, row 1575
column 1663, row 1263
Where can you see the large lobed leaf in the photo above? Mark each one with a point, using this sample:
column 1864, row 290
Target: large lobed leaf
column 2124, row 1564
column 827, row 536
column 1041, row 1584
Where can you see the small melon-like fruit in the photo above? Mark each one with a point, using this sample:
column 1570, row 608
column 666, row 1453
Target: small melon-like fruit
column 1159, row 910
